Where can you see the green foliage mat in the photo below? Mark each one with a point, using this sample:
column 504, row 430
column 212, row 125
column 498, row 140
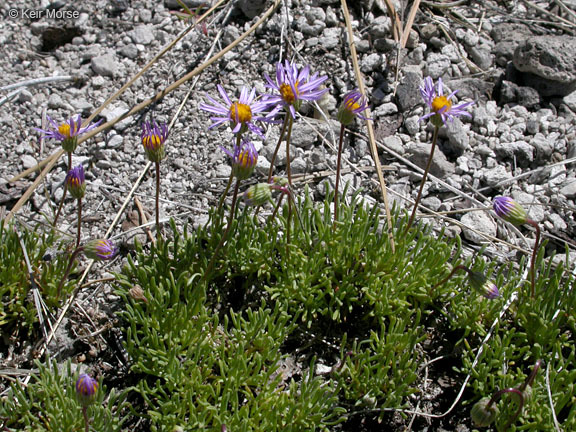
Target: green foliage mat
column 333, row 324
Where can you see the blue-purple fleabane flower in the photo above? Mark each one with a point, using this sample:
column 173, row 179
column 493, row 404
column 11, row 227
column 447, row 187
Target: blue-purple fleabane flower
column 153, row 138
column 293, row 86
column 76, row 182
column 100, row 249
column 441, row 107
column 352, row 106
column 510, row 210
column 483, row 285
column 244, row 158
column 67, row 133
column 86, row 388
column 241, row 114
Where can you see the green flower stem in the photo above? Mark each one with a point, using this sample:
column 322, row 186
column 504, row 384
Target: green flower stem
column 424, row 176
column 86, row 420
column 226, row 232
column 158, row 234
column 338, row 175
column 271, row 218
column 534, row 253
column 79, row 228
column 223, row 197
column 288, row 136
column 68, row 269
column 284, row 124
column 64, row 194
column 498, row 395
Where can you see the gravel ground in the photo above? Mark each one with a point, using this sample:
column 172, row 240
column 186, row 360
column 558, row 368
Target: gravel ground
column 517, row 63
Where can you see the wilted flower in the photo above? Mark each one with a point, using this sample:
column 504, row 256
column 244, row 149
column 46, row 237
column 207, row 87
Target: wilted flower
column 484, row 412
column 353, row 104
column 244, row 159
column 100, row 249
column 153, row 138
column 67, row 133
column 441, row 106
column 510, row 210
column 483, row 285
column 137, row 293
column 293, row 87
column 258, row 194
column 76, row 182
column 241, row 114
column 86, row 388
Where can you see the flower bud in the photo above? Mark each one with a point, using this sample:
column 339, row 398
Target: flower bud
column 352, row 105
column 100, row 249
column 86, row 388
column 153, row 138
column 483, row 415
column 483, row 285
column 258, row 194
column 76, row 182
column 244, row 159
column 510, row 210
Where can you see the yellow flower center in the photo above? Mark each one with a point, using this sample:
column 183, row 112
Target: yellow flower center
column 287, row 93
column 352, row 105
column 441, row 102
column 244, row 159
column 240, row 113
column 152, row 142
column 64, row 129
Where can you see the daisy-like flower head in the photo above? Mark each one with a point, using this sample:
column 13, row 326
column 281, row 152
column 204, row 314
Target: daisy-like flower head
column 258, row 194
column 67, row 133
column 510, row 210
column 293, row 86
column 153, row 138
column 353, row 104
column 100, row 249
column 86, row 388
column 441, row 107
column 244, row 158
column 76, row 182
column 241, row 113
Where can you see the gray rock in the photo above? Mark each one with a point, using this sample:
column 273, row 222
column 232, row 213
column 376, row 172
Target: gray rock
column 105, row 65
column 436, row 65
column 569, row 189
column 496, row 175
column 551, row 59
column 298, row 165
column 394, row 143
column 371, row 62
column 478, row 222
column 28, row 161
column 252, row 8
column 534, row 207
column 305, row 134
column 482, row 56
column 440, row 167
column 330, row 38
column 407, row 92
column 318, row 161
column 173, row 4
column 143, row 34
column 520, row 150
column 130, row 51
column 412, row 125
column 115, row 141
column 380, row 28
column 570, row 100
column 432, row 202
column 458, row 138
column 543, row 146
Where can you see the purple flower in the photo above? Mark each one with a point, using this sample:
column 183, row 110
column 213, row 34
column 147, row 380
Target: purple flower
column 510, row 210
column 67, row 133
column 86, row 388
column 76, row 182
column 241, row 114
column 353, row 104
column 100, row 249
column 244, row 159
column 153, row 138
column 293, row 86
column 441, row 106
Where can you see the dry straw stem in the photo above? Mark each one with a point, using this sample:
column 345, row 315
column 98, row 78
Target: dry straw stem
column 549, row 14
column 141, row 106
column 371, row 137
column 409, row 23
column 397, row 24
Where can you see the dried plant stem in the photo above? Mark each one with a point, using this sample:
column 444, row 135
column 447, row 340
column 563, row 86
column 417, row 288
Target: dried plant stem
column 158, row 234
column 226, row 232
column 338, row 166
column 534, row 254
column 79, row 227
column 64, row 194
column 284, row 124
column 424, row 176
